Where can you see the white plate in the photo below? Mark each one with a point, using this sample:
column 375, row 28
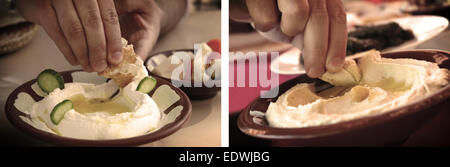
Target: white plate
column 423, row 27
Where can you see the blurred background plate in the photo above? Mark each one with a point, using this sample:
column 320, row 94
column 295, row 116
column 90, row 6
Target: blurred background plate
column 423, row 27
column 14, row 37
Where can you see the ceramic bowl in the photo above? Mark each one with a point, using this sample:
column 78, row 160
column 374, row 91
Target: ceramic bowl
column 387, row 129
column 194, row 93
column 16, row 117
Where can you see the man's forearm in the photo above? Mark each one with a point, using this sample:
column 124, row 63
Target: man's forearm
column 174, row 10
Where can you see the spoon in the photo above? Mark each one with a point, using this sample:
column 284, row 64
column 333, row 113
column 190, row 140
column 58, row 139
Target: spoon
column 114, row 94
column 320, row 86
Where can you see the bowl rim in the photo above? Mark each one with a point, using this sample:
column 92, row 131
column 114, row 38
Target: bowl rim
column 13, row 115
column 247, row 126
column 165, row 53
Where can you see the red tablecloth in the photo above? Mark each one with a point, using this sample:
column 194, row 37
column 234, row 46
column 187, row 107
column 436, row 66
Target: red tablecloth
column 240, row 97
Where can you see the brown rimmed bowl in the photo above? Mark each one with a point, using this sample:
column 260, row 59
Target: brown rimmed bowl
column 13, row 115
column 388, row 129
column 194, row 93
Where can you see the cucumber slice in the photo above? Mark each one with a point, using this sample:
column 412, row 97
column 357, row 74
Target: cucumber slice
column 146, row 85
column 59, row 110
column 48, row 80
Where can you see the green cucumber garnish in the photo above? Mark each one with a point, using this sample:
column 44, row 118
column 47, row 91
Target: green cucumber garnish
column 146, row 85
column 48, row 80
column 60, row 110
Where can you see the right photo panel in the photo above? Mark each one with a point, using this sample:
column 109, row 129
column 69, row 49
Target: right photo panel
column 339, row 73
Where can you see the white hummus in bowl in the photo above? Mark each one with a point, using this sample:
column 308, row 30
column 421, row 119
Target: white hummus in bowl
column 129, row 118
column 378, row 85
column 94, row 115
column 99, row 112
column 131, row 113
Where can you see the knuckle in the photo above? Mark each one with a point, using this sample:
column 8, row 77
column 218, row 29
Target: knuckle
column 75, row 29
column 338, row 16
column 111, row 17
column 95, row 60
column 92, row 18
column 320, row 12
column 319, row 8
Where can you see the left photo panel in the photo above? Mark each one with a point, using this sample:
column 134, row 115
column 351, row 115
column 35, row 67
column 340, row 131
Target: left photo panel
column 110, row 73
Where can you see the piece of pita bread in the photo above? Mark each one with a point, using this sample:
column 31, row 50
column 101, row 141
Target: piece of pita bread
column 129, row 57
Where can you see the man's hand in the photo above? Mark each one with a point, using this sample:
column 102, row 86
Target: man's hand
column 140, row 22
column 320, row 23
column 87, row 32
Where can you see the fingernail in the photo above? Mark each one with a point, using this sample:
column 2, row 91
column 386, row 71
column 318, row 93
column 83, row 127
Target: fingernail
column 315, row 72
column 116, row 57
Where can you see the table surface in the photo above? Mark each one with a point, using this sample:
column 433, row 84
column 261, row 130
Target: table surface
column 434, row 133
column 203, row 128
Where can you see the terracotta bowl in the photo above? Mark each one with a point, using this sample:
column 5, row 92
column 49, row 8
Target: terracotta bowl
column 194, row 93
column 387, row 129
column 13, row 115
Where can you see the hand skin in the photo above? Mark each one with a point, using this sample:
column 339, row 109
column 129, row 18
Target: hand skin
column 322, row 22
column 88, row 32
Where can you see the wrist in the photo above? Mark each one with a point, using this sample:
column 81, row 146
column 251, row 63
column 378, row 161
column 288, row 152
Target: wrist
column 171, row 12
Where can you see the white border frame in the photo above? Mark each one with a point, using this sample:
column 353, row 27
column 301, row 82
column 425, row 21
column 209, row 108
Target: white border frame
column 225, row 76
